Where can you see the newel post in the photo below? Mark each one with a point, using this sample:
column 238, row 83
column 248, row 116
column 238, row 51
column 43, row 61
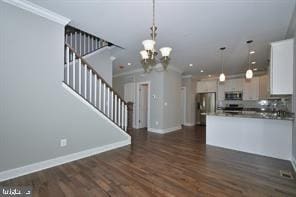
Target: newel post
column 130, row 115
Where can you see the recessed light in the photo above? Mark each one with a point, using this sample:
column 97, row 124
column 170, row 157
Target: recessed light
column 253, row 63
column 255, row 69
column 209, row 75
column 190, row 65
column 201, row 71
column 129, row 64
column 252, row 52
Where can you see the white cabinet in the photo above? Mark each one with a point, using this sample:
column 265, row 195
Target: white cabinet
column 233, row 85
column 221, row 92
column 281, row 67
column 251, row 89
column 206, row 86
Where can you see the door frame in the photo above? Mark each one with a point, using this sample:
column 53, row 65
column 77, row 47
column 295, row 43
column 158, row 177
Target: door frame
column 184, row 105
column 138, row 104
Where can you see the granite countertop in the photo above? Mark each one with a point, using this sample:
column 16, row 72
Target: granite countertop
column 257, row 115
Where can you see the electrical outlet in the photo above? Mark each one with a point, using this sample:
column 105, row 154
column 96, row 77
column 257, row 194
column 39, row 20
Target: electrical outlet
column 63, row 142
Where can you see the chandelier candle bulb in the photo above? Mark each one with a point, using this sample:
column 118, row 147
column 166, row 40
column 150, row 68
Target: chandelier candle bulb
column 249, row 74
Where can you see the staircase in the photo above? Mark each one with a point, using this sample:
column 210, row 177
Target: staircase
column 82, row 42
column 82, row 78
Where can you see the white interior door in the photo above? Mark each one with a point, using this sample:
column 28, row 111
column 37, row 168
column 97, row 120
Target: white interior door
column 183, row 105
column 143, row 105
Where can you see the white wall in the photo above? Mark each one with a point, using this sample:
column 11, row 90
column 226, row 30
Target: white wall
column 36, row 112
column 165, row 87
column 101, row 62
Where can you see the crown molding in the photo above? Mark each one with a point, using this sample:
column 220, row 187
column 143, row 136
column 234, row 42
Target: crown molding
column 38, row 10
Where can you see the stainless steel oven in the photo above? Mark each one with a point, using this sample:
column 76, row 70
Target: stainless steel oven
column 234, row 95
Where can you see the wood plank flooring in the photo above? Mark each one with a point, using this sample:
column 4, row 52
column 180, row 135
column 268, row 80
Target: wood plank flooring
column 174, row 164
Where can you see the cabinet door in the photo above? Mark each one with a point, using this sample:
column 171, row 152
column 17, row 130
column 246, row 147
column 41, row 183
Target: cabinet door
column 221, row 92
column 251, row 89
column 281, row 67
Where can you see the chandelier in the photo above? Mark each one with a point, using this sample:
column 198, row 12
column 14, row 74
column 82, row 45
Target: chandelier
column 149, row 54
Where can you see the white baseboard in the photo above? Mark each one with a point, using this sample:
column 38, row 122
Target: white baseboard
column 188, row 124
column 293, row 161
column 163, row 131
column 13, row 173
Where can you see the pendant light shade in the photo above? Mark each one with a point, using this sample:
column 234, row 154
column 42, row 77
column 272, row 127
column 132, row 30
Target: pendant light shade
column 165, row 51
column 222, row 77
column 144, row 54
column 148, row 45
column 249, row 74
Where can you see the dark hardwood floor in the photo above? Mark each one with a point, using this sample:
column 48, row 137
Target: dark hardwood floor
column 174, row 164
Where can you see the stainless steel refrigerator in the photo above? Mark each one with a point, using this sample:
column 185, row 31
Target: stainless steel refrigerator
column 205, row 103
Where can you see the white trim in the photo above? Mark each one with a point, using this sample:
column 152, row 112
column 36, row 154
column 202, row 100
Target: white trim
column 38, row 10
column 293, row 161
column 138, row 103
column 94, row 109
column 189, row 124
column 163, row 131
column 35, row 167
column 184, row 104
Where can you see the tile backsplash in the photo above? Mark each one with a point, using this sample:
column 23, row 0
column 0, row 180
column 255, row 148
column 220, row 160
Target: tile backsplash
column 276, row 104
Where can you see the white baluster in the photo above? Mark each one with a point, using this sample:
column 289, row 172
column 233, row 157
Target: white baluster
column 88, row 40
column 68, row 65
column 108, row 102
column 79, row 76
column 115, row 109
column 66, row 38
column 74, row 56
column 71, row 39
column 75, row 41
column 90, row 85
column 112, row 105
column 95, row 94
column 84, row 43
column 80, row 44
column 125, row 117
column 92, row 44
column 85, row 81
column 122, row 114
column 119, row 114
column 100, row 94
column 104, row 98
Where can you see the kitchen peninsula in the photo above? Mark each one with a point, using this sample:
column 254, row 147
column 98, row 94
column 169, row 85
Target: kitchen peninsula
column 252, row 133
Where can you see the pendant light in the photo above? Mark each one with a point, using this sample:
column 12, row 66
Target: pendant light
column 249, row 73
column 222, row 75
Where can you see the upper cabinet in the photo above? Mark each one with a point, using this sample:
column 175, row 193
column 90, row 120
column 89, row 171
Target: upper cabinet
column 206, row 86
column 281, row 67
column 251, row 89
column 233, row 85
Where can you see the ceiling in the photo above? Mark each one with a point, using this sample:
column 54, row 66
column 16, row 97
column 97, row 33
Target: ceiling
column 195, row 29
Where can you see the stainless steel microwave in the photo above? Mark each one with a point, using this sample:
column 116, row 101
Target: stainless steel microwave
column 234, row 95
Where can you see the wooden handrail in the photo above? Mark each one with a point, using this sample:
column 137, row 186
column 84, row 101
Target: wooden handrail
column 94, row 71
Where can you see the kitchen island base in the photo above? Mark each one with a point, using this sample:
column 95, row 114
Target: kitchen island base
column 267, row 137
